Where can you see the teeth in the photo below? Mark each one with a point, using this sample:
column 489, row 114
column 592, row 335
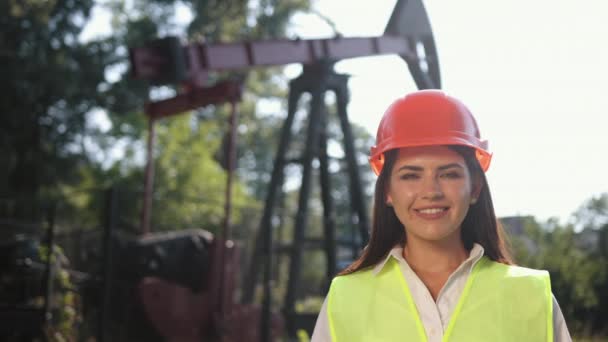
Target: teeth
column 431, row 211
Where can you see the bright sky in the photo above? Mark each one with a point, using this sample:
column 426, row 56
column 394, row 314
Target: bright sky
column 534, row 73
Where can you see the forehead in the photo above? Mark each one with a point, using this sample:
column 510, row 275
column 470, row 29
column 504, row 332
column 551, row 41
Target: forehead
column 431, row 155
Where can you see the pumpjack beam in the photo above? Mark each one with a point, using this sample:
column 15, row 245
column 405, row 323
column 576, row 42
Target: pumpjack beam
column 150, row 60
column 407, row 34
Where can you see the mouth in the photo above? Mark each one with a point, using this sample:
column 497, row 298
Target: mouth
column 432, row 213
column 432, row 210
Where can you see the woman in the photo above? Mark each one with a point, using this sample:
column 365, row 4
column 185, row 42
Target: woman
column 436, row 267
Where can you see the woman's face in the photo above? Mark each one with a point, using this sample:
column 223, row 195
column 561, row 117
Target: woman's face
column 431, row 189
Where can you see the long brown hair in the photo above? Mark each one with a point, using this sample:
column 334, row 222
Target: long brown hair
column 479, row 225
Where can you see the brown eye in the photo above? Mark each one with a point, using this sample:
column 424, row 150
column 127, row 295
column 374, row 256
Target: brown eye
column 409, row 176
column 451, row 175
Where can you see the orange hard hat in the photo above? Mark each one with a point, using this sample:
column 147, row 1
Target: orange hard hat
column 424, row 118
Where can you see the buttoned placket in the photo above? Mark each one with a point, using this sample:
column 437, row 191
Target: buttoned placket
column 435, row 315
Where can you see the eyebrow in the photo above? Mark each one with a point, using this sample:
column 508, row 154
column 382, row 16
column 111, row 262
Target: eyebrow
column 449, row 166
column 441, row 168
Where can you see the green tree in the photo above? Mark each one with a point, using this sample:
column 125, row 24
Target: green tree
column 574, row 255
column 51, row 83
column 593, row 214
column 240, row 20
column 190, row 183
column 592, row 219
column 55, row 80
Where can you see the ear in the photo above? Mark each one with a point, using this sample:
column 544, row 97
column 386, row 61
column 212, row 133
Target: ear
column 476, row 188
column 389, row 200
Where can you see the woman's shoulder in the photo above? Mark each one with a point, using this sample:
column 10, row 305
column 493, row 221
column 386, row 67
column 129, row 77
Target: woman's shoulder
column 512, row 270
column 354, row 275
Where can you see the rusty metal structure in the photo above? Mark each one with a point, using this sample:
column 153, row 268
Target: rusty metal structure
column 167, row 61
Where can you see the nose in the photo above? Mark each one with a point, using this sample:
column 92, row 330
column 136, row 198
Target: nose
column 431, row 189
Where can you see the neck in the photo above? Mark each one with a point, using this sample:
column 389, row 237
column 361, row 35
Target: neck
column 435, row 256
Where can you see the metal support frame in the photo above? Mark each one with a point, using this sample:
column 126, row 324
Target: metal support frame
column 225, row 302
column 316, row 79
column 110, row 212
column 49, row 273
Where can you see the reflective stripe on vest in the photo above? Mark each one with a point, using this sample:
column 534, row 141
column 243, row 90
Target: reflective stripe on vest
column 498, row 303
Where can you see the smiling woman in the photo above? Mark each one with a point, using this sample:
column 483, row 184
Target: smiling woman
column 436, row 267
column 430, row 190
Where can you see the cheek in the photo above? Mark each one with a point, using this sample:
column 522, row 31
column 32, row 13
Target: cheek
column 402, row 194
column 463, row 194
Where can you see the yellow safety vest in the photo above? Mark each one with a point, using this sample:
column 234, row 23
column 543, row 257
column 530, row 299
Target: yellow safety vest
column 499, row 303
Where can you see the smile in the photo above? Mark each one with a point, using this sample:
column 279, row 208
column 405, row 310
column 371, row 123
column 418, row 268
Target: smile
column 431, row 211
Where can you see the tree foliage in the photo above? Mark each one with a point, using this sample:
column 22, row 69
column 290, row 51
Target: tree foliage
column 56, row 80
column 51, row 82
column 577, row 262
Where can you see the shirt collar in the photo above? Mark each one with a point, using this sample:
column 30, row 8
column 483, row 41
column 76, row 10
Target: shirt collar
column 397, row 253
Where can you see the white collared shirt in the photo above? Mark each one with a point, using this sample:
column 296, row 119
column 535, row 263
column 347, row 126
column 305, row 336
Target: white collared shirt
column 435, row 315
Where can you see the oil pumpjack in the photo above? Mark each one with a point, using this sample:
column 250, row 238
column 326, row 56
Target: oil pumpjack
column 167, row 61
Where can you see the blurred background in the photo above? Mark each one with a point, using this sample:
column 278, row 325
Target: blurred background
column 95, row 248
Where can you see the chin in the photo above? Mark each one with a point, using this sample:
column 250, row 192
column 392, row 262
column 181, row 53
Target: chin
column 437, row 235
